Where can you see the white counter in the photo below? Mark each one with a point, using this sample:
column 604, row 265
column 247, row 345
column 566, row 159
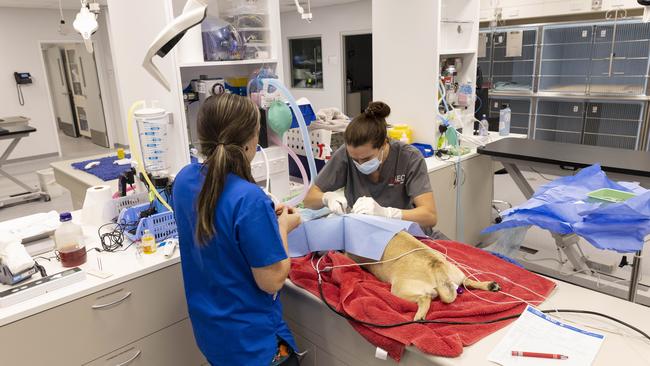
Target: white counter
column 124, row 266
column 434, row 163
column 330, row 337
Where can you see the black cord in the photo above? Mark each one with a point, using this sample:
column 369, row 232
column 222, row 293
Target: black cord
column 112, row 240
column 540, row 174
column 374, row 325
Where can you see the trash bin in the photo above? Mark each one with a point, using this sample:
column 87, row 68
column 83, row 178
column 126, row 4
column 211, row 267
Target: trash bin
column 48, row 184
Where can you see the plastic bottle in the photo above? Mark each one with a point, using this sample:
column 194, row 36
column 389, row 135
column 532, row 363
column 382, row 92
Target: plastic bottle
column 483, row 127
column 504, row 120
column 68, row 241
column 148, row 242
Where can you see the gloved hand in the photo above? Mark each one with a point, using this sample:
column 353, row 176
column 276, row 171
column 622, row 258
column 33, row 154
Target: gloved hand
column 336, row 202
column 368, row 206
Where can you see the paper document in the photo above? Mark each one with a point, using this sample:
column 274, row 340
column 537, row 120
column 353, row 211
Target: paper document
column 514, row 44
column 535, row 331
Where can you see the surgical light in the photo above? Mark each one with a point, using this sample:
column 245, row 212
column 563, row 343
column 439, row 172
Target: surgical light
column 193, row 14
column 86, row 23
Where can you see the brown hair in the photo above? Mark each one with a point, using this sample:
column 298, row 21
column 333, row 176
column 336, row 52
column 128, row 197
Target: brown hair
column 226, row 122
column 369, row 127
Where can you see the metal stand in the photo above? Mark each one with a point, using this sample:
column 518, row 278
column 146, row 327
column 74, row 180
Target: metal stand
column 634, row 278
column 31, row 194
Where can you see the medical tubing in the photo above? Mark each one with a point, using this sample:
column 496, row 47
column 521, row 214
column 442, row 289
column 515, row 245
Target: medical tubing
column 301, row 123
column 137, row 154
column 296, row 200
column 451, row 322
column 459, row 188
column 268, row 168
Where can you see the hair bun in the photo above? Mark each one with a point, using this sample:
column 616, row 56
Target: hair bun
column 377, row 110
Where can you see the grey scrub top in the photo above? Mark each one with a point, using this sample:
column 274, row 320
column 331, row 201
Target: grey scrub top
column 402, row 177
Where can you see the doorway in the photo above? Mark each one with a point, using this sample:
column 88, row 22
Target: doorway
column 357, row 67
column 75, row 93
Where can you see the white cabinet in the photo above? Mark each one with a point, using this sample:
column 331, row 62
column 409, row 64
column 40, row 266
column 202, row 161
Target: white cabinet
column 476, row 193
column 171, row 346
column 520, row 9
column 87, row 328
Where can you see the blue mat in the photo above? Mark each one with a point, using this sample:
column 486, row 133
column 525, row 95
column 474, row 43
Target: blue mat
column 106, row 170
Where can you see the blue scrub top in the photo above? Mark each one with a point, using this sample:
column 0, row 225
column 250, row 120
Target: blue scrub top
column 234, row 322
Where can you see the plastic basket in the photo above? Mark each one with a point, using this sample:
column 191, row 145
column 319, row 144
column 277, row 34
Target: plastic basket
column 130, row 201
column 161, row 225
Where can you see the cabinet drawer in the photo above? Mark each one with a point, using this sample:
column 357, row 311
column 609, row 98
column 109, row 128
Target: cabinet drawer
column 171, row 346
column 101, row 322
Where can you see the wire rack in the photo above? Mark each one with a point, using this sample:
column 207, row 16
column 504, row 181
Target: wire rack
column 595, row 59
column 513, row 73
column 599, row 123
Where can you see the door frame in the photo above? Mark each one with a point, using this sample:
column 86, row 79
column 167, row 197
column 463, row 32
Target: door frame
column 103, row 87
column 343, row 58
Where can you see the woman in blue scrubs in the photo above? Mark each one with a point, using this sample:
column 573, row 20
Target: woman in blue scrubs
column 233, row 243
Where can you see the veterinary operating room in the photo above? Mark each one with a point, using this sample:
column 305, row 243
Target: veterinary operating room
column 325, row 182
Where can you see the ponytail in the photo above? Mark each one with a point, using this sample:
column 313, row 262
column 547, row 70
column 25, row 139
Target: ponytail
column 226, row 123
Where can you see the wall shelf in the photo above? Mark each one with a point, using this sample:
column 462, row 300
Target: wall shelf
column 456, row 52
column 229, row 63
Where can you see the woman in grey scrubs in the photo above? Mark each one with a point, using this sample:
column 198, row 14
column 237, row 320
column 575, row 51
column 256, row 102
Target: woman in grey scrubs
column 380, row 176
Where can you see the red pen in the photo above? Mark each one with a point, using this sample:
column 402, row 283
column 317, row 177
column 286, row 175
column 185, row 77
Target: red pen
column 540, row 355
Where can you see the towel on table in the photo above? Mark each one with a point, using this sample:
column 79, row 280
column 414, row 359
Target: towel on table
column 330, row 119
column 359, row 294
column 106, row 170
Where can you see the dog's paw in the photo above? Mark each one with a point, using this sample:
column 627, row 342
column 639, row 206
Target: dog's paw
column 494, row 287
column 419, row 317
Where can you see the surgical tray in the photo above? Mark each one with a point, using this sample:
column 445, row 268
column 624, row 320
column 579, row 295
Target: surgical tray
column 610, row 195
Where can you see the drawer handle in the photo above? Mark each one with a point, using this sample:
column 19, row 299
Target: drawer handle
column 137, row 354
column 102, row 306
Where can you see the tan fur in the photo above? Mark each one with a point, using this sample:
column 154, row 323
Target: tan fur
column 422, row 275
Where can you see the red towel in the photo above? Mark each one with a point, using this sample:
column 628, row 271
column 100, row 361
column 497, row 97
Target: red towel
column 359, row 294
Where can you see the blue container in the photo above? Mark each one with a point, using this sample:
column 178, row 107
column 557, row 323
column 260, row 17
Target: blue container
column 307, row 113
column 425, row 149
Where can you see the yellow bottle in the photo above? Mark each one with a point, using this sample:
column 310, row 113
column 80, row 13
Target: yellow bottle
column 120, row 153
column 148, row 243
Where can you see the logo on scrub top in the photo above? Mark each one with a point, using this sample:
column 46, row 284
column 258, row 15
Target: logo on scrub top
column 398, row 179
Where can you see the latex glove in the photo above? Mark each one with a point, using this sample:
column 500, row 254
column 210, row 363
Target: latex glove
column 368, row 206
column 336, row 202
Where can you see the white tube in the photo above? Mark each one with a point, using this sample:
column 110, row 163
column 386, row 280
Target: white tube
column 301, row 123
column 268, row 169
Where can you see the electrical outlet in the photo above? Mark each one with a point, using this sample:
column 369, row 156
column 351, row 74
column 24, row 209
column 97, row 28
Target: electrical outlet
column 596, row 4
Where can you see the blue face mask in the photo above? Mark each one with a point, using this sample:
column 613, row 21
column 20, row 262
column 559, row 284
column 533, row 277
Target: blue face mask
column 369, row 166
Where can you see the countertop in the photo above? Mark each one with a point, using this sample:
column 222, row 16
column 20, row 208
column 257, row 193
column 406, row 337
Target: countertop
column 124, row 266
column 434, row 163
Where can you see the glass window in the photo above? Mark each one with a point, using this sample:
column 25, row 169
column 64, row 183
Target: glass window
column 306, row 63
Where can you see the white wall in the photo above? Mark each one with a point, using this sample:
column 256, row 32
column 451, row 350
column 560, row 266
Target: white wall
column 20, row 33
column 130, row 36
column 405, row 63
column 106, row 72
column 329, row 23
